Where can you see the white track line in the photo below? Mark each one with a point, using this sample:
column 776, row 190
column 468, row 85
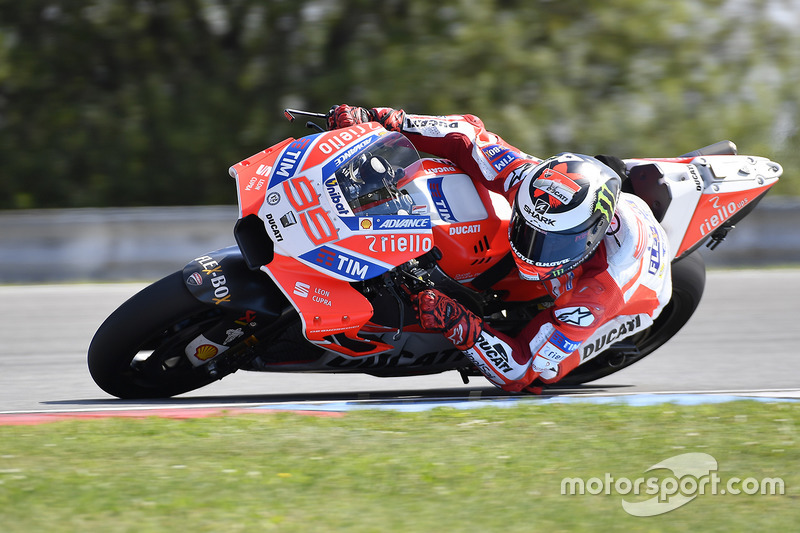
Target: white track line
column 365, row 399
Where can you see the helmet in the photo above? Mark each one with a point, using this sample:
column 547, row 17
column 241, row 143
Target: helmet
column 562, row 210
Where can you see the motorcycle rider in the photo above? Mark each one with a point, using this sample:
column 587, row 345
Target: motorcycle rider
column 598, row 251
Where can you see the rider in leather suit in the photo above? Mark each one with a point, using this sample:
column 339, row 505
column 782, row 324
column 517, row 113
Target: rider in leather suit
column 599, row 252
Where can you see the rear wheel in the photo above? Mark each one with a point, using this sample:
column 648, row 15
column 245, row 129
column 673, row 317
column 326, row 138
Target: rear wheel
column 688, row 282
column 138, row 352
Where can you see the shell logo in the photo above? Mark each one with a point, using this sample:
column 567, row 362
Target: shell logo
column 365, row 223
column 204, row 352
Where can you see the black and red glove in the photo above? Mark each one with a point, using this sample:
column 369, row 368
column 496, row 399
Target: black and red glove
column 391, row 119
column 439, row 312
column 344, row 116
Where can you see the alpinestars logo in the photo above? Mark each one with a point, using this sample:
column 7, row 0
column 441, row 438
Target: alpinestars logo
column 576, row 316
column 457, row 336
column 518, row 174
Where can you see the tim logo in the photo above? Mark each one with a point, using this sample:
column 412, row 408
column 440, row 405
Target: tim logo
column 442, row 206
column 289, row 161
column 349, row 266
column 325, row 257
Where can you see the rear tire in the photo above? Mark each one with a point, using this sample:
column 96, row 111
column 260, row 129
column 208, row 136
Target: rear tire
column 688, row 283
column 162, row 318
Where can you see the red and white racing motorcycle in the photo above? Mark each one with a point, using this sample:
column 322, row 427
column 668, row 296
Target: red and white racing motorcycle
column 329, row 255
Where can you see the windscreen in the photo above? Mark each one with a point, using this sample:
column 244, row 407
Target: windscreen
column 368, row 180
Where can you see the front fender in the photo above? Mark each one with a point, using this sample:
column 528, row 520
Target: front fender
column 222, row 278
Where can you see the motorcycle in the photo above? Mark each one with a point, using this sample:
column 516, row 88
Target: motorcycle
column 328, row 257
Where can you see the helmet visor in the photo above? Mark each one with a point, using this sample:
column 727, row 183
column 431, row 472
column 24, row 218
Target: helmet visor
column 549, row 249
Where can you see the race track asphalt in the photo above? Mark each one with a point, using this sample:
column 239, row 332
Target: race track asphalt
column 744, row 337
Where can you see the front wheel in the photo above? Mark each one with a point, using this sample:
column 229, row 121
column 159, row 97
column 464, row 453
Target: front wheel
column 138, row 352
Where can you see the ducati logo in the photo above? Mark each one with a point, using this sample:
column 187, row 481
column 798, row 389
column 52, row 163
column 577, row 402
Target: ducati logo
column 557, row 182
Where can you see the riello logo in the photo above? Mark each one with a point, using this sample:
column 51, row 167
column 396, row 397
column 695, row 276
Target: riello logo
column 399, row 243
column 723, row 213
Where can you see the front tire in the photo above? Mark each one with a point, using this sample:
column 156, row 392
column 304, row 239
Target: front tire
column 138, row 352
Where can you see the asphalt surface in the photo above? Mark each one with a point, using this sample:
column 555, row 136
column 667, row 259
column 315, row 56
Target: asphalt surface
column 744, row 337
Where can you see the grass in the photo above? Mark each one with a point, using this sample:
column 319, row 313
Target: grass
column 449, row 470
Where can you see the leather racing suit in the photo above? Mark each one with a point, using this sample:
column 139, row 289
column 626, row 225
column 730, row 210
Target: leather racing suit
column 617, row 292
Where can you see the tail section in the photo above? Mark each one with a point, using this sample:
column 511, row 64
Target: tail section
column 698, row 198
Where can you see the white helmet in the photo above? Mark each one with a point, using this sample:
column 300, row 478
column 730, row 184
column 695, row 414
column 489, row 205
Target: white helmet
column 561, row 213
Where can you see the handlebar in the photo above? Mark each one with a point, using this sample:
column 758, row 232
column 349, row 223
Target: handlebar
column 290, row 116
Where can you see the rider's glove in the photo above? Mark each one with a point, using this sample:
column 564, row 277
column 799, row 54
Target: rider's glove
column 344, row 116
column 391, row 119
column 439, row 312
